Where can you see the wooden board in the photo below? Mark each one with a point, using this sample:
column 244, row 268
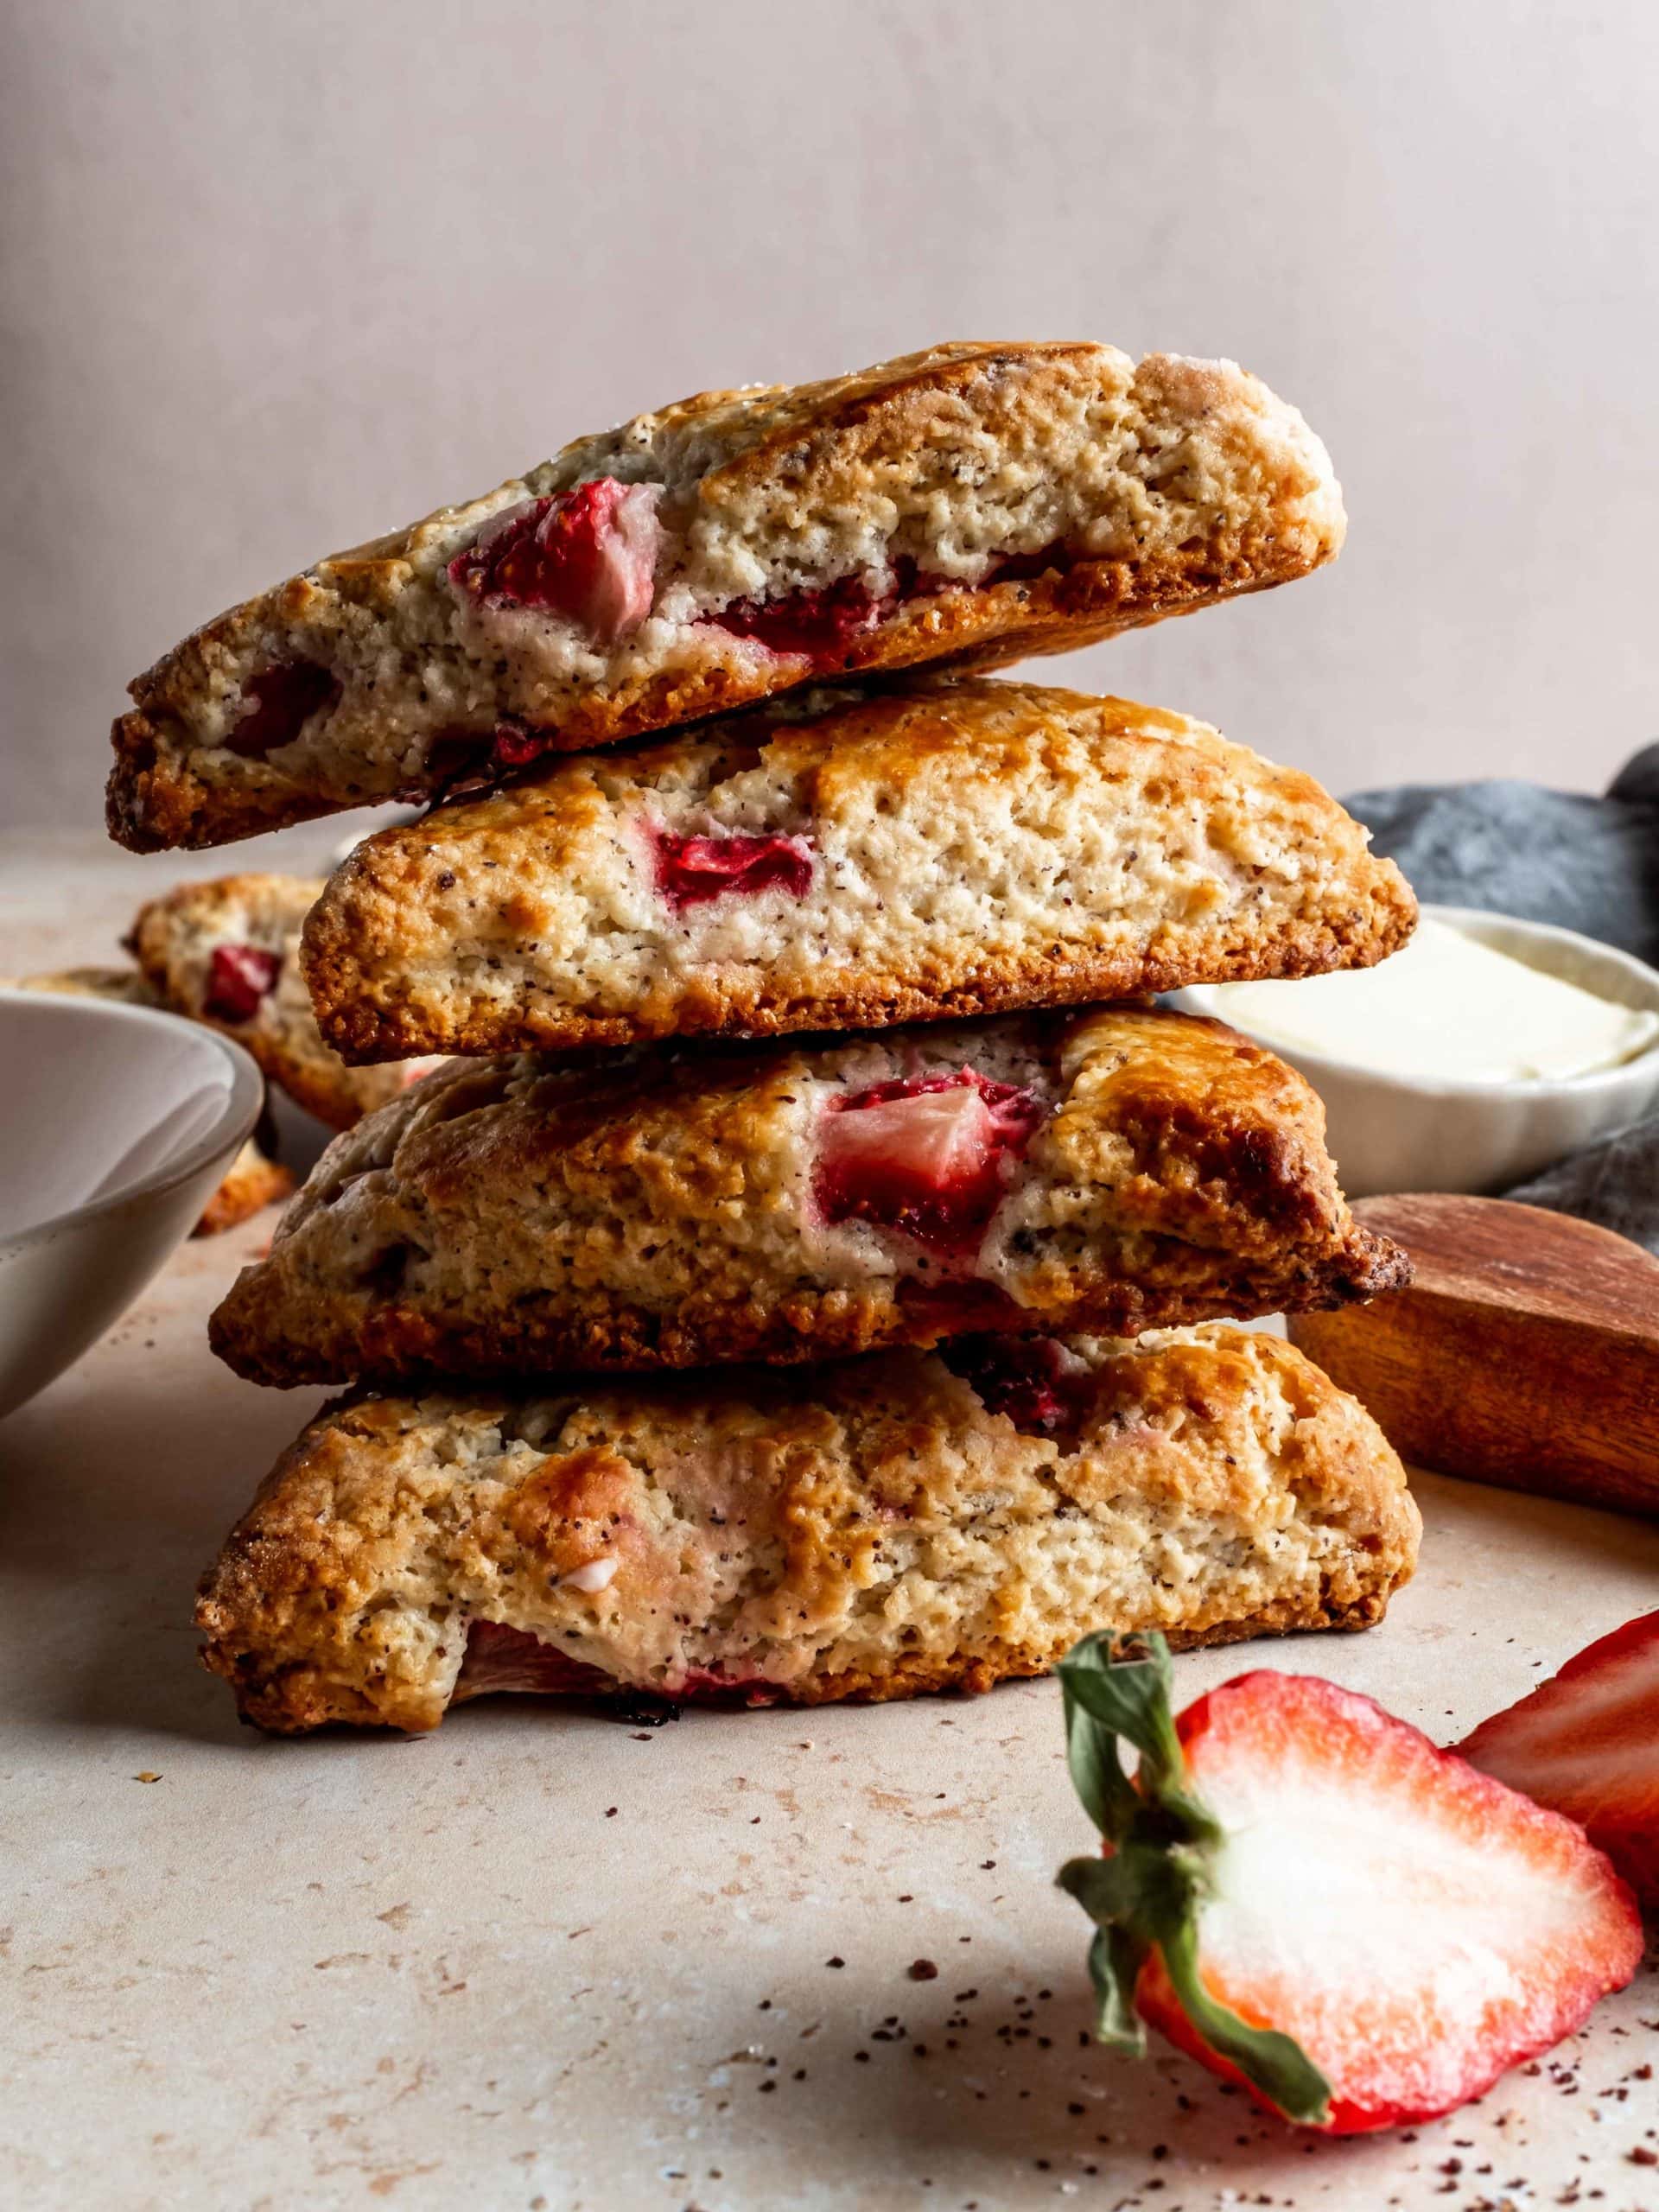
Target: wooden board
column 1526, row 1351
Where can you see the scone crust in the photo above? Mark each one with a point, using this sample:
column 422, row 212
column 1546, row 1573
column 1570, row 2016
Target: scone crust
column 1200, row 482
column 252, row 1181
column 868, row 1531
column 173, row 940
column 975, row 846
column 655, row 1209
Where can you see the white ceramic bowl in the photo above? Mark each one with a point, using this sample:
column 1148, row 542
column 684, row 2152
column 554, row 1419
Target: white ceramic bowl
column 118, row 1123
column 1404, row 1133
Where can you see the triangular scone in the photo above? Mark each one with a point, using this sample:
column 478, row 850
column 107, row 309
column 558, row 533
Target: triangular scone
column 1118, row 1170
column 949, row 847
column 973, row 502
column 226, row 953
column 867, row 1530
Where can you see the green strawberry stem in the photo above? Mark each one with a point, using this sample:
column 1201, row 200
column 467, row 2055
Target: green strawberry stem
column 1146, row 1894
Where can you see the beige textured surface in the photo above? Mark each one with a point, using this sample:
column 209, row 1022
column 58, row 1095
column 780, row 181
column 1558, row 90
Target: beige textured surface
column 337, row 1974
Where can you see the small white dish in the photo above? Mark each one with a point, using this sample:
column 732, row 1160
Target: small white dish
column 1398, row 1132
column 119, row 1121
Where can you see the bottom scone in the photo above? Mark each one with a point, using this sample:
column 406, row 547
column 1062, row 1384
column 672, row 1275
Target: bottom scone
column 907, row 1522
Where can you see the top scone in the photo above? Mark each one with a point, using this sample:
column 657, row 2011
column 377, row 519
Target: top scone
column 972, row 503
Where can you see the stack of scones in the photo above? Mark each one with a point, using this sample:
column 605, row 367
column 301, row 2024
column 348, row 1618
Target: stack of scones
column 813, row 1270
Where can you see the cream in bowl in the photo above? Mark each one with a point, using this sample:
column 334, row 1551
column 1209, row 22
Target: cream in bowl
column 1486, row 1049
column 119, row 1122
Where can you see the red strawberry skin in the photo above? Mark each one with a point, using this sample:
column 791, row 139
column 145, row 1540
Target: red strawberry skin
column 924, row 1155
column 589, row 554
column 691, row 871
column 1417, row 1928
column 239, row 977
column 1586, row 1742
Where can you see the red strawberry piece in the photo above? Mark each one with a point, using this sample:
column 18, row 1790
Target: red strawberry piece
column 1034, row 1380
column 925, row 1155
column 589, row 554
column 1586, row 1742
column 816, row 625
column 502, row 1658
column 1307, row 1896
column 284, row 698
column 691, row 870
column 238, row 977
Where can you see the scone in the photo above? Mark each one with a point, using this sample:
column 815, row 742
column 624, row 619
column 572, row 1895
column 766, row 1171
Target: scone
column 254, row 1179
column 226, row 953
column 1118, row 1171
column 841, row 860
column 868, row 1530
column 973, row 502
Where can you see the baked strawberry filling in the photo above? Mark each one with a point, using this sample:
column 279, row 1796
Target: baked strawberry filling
column 1033, row 1379
column 239, row 977
column 928, row 1156
column 502, row 1658
column 817, row 625
column 284, row 698
column 692, row 870
column 589, row 554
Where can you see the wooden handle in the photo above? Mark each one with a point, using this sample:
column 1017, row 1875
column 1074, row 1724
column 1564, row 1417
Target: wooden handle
column 1525, row 1353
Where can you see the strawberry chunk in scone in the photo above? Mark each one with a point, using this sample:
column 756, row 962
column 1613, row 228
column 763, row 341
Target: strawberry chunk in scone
column 240, row 977
column 928, row 1156
column 1310, row 1898
column 1586, row 1742
column 589, row 554
column 691, row 871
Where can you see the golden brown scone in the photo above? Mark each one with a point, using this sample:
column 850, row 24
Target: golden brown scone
column 1121, row 1170
column 253, row 1179
column 226, row 953
column 974, row 503
column 866, row 1531
column 949, row 847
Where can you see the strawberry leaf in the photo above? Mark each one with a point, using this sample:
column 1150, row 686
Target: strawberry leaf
column 1145, row 1893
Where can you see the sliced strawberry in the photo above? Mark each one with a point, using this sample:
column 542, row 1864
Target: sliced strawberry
column 589, row 554
column 283, row 699
column 1586, row 1742
column 239, row 977
column 925, row 1155
column 691, row 870
column 1305, row 1894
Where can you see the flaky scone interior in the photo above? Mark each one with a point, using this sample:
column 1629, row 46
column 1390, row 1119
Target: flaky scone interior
column 909, row 1522
column 1119, row 1169
column 945, row 847
column 973, row 502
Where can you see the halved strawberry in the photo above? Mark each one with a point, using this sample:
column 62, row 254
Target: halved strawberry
column 691, row 870
column 238, row 977
column 923, row 1154
column 817, row 625
column 1305, row 1894
column 1586, row 1742
column 589, row 554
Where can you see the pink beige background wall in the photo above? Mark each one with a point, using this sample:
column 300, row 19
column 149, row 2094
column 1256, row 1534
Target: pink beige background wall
column 277, row 277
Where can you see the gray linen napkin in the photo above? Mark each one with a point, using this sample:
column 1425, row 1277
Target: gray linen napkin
column 1589, row 864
